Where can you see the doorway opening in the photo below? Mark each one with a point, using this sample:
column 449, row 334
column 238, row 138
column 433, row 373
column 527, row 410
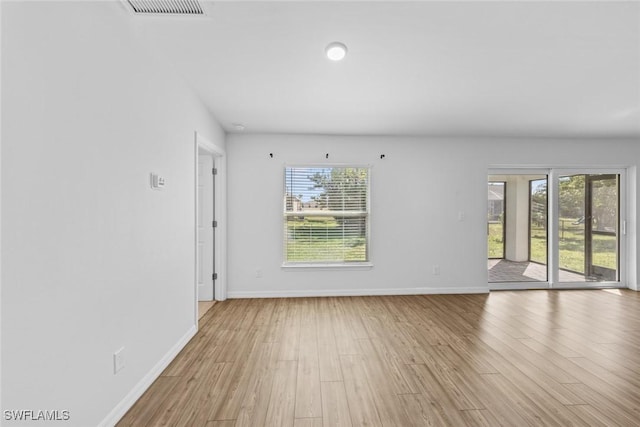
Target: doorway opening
column 554, row 228
column 517, row 228
column 209, row 224
column 206, row 274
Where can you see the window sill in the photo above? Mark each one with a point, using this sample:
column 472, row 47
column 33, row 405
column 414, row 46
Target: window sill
column 327, row 266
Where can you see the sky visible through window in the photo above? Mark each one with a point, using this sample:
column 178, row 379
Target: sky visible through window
column 303, row 187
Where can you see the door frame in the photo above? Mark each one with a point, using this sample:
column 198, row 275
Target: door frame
column 626, row 209
column 589, row 266
column 622, row 232
column 523, row 170
column 201, row 143
column 504, row 218
column 206, row 231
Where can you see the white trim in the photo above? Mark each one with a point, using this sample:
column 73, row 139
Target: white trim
column 357, row 292
column 220, row 163
column 518, row 286
column 327, row 266
column 525, row 169
column 631, row 235
column 589, row 285
column 209, row 146
column 553, row 214
column 132, row 397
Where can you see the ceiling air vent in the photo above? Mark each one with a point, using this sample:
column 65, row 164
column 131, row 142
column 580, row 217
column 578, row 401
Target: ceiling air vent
column 166, row 7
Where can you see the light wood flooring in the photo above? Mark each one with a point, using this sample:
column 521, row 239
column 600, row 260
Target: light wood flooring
column 526, row 358
column 203, row 307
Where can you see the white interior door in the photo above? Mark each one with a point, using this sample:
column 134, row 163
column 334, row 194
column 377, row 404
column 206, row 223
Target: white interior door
column 205, row 228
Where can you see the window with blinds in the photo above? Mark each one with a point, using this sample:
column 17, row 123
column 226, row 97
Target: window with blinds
column 326, row 215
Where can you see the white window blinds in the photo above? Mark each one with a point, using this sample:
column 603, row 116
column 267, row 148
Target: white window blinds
column 326, row 214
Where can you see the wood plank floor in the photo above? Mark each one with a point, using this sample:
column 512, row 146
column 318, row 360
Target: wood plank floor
column 204, row 307
column 557, row 358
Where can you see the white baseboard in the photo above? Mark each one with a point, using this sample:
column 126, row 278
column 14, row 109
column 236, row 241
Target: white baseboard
column 355, row 292
column 118, row 412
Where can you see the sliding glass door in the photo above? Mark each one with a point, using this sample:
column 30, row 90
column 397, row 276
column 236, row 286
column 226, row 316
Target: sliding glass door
column 602, row 215
column 588, row 227
column 560, row 228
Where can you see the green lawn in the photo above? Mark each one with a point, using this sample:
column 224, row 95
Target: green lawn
column 496, row 245
column 571, row 248
column 322, row 239
column 318, row 239
column 538, row 245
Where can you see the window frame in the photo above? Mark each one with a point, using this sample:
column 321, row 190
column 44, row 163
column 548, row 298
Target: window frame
column 308, row 264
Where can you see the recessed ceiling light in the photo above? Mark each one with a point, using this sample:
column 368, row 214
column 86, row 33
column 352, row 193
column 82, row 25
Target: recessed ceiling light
column 336, row 51
column 238, row 126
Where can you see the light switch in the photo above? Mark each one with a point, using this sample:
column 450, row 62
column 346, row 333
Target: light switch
column 118, row 360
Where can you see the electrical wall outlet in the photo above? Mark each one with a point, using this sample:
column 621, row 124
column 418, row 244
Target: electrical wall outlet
column 436, row 270
column 118, row 360
column 157, row 181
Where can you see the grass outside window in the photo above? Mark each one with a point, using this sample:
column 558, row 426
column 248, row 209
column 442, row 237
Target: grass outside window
column 325, row 239
column 570, row 246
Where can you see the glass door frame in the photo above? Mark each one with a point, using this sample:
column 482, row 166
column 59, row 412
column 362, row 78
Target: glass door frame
column 591, row 268
column 504, row 221
column 553, row 213
column 525, row 285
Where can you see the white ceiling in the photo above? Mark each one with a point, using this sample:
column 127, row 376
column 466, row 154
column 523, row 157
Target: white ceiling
column 550, row 69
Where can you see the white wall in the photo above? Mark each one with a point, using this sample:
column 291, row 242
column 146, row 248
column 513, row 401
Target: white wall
column 92, row 258
column 417, row 193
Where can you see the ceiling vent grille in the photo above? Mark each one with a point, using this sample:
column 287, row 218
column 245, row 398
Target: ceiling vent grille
column 166, row 7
